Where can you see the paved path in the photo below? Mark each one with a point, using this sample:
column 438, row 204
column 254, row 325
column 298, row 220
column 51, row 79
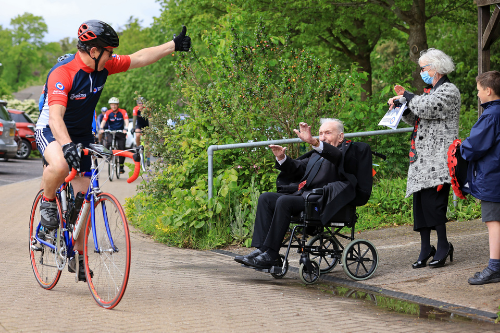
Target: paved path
column 179, row 290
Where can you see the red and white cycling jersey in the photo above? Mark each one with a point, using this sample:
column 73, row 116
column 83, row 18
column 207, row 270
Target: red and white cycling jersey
column 76, row 86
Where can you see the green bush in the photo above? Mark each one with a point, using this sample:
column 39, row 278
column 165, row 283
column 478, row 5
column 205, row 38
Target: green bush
column 251, row 87
column 255, row 87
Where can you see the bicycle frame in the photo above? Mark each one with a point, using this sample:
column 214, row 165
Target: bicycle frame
column 90, row 199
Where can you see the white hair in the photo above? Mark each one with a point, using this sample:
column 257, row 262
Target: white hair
column 438, row 61
column 340, row 124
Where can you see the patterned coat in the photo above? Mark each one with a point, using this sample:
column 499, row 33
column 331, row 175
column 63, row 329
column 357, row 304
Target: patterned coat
column 438, row 127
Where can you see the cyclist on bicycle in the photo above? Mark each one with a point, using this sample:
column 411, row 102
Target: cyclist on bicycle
column 117, row 120
column 99, row 120
column 71, row 93
column 139, row 123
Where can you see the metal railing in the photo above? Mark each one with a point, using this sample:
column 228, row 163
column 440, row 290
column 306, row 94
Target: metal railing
column 213, row 148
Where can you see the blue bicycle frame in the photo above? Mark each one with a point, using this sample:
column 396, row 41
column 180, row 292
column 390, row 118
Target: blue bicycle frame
column 89, row 199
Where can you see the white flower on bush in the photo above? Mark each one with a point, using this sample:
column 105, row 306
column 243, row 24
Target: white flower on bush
column 29, row 106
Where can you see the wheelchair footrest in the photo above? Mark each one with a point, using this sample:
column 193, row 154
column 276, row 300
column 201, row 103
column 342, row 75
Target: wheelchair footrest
column 272, row 270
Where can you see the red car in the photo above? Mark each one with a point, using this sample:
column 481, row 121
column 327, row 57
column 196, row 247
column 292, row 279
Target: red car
column 26, row 132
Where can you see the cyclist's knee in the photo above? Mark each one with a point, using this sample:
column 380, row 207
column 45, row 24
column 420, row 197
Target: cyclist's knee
column 56, row 163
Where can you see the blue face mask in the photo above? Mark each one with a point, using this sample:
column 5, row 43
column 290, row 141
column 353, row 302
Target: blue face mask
column 426, row 78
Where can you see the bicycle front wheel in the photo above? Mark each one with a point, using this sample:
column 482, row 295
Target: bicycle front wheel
column 43, row 257
column 117, row 167
column 111, row 168
column 107, row 252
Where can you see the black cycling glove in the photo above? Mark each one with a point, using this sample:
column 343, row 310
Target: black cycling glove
column 182, row 42
column 71, row 155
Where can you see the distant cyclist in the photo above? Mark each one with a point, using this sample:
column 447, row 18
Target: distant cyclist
column 71, row 93
column 117, row 120
column 99, row 120
column 139, row 122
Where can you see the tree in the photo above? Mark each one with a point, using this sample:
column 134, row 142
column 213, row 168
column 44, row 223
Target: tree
column 68, row 45
column 350, row 35
column 410, row 17
column 20, row 62
column 28, row 28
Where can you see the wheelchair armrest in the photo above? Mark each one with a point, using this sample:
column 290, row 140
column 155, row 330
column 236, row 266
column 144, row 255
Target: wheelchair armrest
column 318, row 191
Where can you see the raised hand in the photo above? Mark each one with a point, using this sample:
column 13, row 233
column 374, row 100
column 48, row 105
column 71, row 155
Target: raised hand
column 399, row 89
column 182, row 42
column 305, row 133
column 278, row 151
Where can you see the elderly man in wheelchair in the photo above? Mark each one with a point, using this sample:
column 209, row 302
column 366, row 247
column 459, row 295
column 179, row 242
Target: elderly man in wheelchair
column 335, row 174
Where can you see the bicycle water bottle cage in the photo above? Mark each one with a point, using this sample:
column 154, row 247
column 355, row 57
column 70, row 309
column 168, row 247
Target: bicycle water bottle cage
column 101, row 150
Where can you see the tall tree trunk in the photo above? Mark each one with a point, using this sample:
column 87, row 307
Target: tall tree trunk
column 366, row 66
column 417, row 36
column 417, row 42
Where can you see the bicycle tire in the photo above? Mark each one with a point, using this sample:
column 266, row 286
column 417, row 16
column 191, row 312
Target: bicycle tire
column 111, row 168
column 42, row 257
column 110, row 266
column 117, row 167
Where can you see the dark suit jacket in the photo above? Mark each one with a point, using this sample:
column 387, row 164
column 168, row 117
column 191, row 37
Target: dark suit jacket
column 345, row 176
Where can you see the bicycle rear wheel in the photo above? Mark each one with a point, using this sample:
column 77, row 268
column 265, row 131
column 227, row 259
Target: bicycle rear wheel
column 43, row 258
column 107, row 252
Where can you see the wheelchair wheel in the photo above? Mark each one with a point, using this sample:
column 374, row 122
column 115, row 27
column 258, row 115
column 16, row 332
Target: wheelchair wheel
column 283, row 273
column 360, row 259
column 309, row 277
column 326, row 260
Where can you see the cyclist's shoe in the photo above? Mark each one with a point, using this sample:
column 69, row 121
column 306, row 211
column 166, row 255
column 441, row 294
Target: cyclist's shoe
column 48, row 213
column 148, row 162
column 122, row 170
column 81, row 268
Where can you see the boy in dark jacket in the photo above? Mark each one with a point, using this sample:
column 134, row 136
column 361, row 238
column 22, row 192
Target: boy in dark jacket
column 482, row 150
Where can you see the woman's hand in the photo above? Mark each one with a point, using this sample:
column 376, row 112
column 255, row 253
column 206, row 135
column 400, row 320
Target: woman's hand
column 390, row 102
column 278, row 151
column 399, row 89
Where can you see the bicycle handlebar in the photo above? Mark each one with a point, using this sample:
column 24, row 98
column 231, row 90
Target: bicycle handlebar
column 124, row 153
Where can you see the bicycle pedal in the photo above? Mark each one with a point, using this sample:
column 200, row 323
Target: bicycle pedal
column 36, row 248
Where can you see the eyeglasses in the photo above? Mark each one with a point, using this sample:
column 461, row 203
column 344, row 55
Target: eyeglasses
column 109, row 50
column 423, row 67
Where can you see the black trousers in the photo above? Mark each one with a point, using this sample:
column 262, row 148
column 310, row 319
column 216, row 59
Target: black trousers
column 273, row 218
column 120, row 143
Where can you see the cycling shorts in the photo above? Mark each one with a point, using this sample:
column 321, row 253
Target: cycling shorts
column 141, row 123
column 44, row 136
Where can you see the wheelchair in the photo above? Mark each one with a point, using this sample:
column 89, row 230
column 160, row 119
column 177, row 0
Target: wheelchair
column 319, row 246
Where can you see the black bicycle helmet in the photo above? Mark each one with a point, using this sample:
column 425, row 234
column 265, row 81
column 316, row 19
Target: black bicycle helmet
column 97, row 33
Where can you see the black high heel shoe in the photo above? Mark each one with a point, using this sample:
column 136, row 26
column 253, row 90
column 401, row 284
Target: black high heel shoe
column 440, row 263
column 423, row 263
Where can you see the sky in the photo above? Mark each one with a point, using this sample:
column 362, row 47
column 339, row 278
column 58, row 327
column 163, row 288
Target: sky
column 63, row 18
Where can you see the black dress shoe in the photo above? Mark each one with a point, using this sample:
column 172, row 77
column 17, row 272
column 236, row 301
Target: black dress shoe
column 251, row 255
column 486, row 276
column 440, row 263
column 262, row 261
column 423, row 263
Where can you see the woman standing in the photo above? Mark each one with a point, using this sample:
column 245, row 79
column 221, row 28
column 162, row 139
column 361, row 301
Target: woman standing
column 434, row 116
